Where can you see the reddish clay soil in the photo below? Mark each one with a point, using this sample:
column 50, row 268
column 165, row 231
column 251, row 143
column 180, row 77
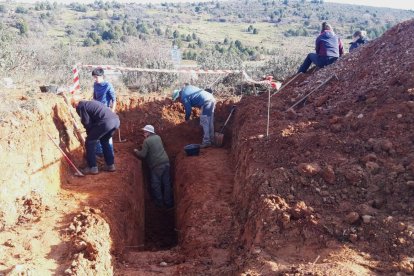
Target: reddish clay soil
column 329, row 192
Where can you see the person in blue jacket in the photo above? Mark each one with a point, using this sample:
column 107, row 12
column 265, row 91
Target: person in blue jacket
column 328, row 47
column 103, row 92
column 359, row 38
column 192, row 96
column 100, row 123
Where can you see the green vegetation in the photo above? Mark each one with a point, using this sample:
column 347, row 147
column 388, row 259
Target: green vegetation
column 262, row 36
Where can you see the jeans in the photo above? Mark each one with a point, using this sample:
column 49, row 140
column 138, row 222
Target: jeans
column 161, row 190
column 207, row 121
column 102, row 132
column 319, row 61
column 99, row 150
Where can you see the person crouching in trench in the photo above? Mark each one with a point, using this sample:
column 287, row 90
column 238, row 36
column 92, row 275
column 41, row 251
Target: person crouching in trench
column 100, row 123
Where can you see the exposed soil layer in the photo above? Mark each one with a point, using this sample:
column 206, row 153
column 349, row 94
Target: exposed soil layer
column 329, row 192
column 335, row 175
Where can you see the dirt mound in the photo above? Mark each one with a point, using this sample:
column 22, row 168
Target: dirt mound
column 344, row 155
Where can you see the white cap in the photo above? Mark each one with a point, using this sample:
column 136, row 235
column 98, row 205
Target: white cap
column 149, row 128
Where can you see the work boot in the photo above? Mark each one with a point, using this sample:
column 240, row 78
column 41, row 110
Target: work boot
column 206, row 145
column 90, row 170
column 110, row 168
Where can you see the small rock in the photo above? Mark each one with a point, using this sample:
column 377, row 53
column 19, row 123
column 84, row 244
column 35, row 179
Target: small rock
column 352, row 217
column 308, row 169
column 399, row 116
column 163, row 264
column 328, row 174
column 410, row 183
column 372, row 167
column 68, row 271
column 360, row 116
column 353, row 237
column 257, row 251
column 401, row 226
column 9, row 243
column 366, row 218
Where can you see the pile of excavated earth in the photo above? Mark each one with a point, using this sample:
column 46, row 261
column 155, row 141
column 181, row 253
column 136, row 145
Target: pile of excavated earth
column 329, row 190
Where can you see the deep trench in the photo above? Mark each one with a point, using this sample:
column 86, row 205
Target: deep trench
column 160, row 227
column 160, row 231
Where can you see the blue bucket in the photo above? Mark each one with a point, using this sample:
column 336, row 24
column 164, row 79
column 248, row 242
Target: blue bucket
column 192, row 149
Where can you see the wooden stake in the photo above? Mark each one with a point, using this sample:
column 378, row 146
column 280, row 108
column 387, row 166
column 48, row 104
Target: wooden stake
column 307, row 95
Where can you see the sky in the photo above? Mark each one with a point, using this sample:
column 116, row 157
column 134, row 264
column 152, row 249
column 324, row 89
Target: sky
column 396, row 4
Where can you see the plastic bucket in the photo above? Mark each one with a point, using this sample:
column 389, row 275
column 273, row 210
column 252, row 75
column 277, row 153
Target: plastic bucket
column 192, row 149
column 49, row 89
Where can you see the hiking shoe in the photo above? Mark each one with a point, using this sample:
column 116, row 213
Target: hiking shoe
column 90, row 170
column 110, row 168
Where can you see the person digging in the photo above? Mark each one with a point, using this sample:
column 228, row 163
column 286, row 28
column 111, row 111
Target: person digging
column 100, row 123
column 154, row 154
column 192, row 96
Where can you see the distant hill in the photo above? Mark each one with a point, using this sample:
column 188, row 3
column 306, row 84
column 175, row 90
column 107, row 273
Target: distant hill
column 262, row 36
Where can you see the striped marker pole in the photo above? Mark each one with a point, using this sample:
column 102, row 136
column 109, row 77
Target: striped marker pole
column 76, row 84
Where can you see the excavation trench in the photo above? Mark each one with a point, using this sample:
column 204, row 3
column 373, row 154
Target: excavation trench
column 106, row 224
column 200, row 226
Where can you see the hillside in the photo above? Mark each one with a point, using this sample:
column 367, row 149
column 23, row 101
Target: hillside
column 264, row 37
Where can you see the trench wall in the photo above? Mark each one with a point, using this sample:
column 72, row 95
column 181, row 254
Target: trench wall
column 30, row 161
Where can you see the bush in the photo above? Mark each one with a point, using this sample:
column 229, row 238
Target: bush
column 20, row 9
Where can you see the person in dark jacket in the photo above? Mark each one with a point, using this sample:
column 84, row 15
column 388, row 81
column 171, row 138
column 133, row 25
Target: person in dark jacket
column 359, row 38
column 192, row 96
column 328, row 47
column 100, row 123
column 154, row 154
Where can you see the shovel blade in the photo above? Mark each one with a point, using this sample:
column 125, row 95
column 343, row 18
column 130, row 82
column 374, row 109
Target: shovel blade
column 218, row 139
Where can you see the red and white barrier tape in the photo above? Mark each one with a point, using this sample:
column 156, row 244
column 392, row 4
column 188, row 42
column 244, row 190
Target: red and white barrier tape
column 76, row 85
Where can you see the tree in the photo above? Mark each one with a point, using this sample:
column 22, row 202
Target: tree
column 176, row 34
column 88, row 42
column 22, row 26
column 255, row 31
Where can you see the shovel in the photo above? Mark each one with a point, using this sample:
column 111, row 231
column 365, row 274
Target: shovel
column 219, row 136
column 119, row 137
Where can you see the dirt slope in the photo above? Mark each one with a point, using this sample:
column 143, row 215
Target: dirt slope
column 337, row 174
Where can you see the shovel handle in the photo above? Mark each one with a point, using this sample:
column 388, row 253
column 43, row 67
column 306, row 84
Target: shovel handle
column 228, row 118
column 78, row 172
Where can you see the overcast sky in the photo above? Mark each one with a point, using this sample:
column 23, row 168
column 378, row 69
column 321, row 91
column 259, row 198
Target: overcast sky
column 397, row 4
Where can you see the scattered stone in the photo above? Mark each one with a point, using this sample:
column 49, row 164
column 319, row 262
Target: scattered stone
column 365, row 209
column 360, row 116
column 410, row 183
column 352, row 217
column 366, row 218
column 372, row 167
column 308, row 169
column 328, row 174
column 9, row 243
column 163, row 264
column 353, row 237
column 401, row 226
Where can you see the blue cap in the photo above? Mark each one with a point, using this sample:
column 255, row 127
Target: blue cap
column 175, row 94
